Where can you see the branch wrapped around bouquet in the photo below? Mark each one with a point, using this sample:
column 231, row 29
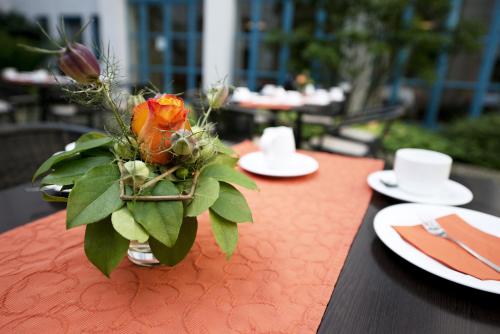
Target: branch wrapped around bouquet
column 149, row 182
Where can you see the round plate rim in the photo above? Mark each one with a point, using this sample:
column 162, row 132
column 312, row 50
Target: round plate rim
column 373, row 181
column 443, row 271
column 278, row 173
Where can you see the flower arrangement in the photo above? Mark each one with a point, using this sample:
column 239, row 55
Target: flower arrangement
column 150, row 179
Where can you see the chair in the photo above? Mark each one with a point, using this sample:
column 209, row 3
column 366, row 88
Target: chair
column 13, row 98
column 25, row 147
column 345, row 138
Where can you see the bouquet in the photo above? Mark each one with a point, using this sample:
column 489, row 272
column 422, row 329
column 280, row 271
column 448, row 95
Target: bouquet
column 150, row 178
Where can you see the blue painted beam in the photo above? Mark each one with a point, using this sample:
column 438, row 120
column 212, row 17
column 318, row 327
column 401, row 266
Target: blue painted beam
column 287, row 23
column 143, row 44
column 167, row 52
column 487, row 64
column 401, row 57
column 442, row 68
column 319, row 33
column 255, row 14
column 191, row 44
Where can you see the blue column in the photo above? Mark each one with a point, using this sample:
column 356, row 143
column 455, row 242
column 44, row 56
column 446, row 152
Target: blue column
column 442, row 67
column 319, row 33
column 401, row 58
column 143, row 44
column 254, row 44
column 191, row 44
column 167, row 53
column 287, row 23
column 488, row 62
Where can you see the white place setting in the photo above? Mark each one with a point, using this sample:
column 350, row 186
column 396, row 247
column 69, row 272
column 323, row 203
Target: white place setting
column 278, row 157
column 410, row 214
column 420, row 176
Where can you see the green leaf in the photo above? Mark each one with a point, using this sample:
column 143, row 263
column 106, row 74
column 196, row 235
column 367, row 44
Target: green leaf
column 124, row 223
column 223, row 148
column 87, row 145
column 225, row 233
column 104, row 247
column 173, row 255
column 52, row 198
column 162, row 220
column 67, row 172
column 231, row 205
column 95, row 196
column 206, row 193
column 222, row 159
column 90, row 136
column 227, row 174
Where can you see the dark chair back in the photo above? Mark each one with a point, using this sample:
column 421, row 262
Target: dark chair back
column 25, row 147
column 385, row 114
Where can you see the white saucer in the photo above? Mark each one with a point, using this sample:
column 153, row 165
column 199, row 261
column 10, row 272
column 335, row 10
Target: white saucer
column 453, row 193
column 299, row 165
column 408, row 214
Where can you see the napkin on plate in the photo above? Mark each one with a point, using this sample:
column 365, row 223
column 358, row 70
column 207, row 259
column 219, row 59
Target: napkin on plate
column 452, row 255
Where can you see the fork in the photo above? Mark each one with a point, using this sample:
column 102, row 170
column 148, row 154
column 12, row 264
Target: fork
column 433, row 227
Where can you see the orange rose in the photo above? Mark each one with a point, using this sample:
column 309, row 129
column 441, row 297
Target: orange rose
column 154, row 122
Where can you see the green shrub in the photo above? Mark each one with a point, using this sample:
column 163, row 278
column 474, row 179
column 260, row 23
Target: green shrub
column 475, row 141
column 14, row 30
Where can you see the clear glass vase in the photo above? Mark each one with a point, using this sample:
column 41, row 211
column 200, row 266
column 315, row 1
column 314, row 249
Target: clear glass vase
column 140, row 253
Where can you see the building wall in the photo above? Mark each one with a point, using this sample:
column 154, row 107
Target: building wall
column 218, row 40
column 111, row 13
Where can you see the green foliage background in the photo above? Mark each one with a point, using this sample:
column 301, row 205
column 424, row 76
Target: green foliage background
column 475, row 141
column 383, row 32
column 16, row 29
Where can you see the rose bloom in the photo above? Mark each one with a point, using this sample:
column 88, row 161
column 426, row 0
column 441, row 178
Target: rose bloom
column 154, row 122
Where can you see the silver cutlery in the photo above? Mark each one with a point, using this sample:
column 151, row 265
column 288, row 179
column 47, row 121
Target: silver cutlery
column 433, row 227
column 390, row 183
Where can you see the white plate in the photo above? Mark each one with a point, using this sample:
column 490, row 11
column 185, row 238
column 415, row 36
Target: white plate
column 300, row 165
column 407, row 214
column 453, row 193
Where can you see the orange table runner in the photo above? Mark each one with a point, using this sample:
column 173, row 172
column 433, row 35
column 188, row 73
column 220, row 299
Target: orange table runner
column 279, row 279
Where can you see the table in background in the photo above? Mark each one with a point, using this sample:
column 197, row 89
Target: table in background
column 331, row 110
column 377, row 291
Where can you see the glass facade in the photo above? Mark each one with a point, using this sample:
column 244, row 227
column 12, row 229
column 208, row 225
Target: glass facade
column 165, row 38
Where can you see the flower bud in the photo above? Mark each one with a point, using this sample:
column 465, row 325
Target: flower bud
column 207, row 151
column 183, row 146
column 123, row 148
column 136, row 171
column 217, row 96
column 79, row 63
column 182, row 173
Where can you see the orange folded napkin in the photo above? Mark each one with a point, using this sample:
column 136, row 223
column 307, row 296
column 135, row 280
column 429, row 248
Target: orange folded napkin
column 452, row 255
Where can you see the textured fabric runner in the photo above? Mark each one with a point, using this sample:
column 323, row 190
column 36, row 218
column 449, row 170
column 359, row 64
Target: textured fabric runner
column 279, row 279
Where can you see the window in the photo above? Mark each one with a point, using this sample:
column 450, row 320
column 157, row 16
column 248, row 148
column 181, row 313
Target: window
column 72, row 25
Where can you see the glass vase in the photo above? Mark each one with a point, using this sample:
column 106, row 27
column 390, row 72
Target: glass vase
column 140, row 253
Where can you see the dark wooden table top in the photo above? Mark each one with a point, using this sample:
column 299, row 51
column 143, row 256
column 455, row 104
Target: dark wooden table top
column 377, row 291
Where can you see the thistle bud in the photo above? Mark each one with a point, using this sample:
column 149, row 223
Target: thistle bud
column 183, row 147
column 182, row 142
column 136, row 171
column 123, row 148
column 79, row 63
column 217, row 96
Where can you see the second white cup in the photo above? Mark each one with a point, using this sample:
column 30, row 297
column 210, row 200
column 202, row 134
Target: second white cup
column 421, row 171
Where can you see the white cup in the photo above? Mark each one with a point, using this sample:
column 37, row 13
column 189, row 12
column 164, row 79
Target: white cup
column 421, row 172
column 278, row 146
